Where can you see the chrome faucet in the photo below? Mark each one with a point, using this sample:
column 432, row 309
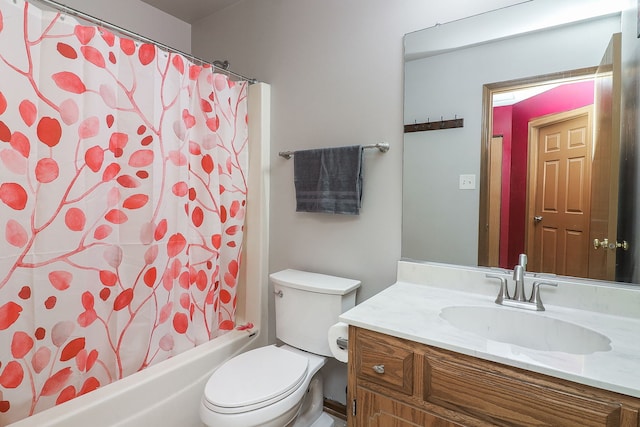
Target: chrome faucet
column 519, row 300
column 522, row 260
column 518, row 277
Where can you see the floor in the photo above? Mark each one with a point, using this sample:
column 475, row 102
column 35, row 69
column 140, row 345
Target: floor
column 339, row 422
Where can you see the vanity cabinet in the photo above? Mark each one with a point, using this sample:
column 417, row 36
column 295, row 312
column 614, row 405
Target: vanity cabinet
column 399, row 383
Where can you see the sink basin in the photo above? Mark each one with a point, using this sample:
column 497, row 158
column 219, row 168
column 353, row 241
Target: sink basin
column 526, row 329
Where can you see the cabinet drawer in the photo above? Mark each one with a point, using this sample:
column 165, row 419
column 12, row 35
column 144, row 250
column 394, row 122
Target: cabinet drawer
column 385, row 361
column 477, row 388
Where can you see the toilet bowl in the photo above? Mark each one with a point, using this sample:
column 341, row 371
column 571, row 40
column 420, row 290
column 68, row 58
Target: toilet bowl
column 281, row 386
column 262, row 387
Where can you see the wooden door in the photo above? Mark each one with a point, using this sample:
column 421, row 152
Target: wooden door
column 606, row 164
column 560, row 189
column 495, row 199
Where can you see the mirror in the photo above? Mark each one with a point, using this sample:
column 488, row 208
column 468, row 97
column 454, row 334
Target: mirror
column 452, row 72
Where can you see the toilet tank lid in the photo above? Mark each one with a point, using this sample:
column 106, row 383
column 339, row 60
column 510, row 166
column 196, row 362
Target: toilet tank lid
column 314, row 282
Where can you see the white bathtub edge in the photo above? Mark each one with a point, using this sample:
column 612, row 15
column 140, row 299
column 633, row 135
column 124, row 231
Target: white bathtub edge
column 169, row 391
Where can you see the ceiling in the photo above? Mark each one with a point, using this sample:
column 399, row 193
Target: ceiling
column 190, row 10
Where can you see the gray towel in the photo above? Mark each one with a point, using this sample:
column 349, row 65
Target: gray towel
column 329, row 180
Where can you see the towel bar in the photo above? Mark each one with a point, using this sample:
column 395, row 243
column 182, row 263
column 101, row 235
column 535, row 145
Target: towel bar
column 382, row 146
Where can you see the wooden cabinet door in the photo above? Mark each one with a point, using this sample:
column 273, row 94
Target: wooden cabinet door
column 375, row 410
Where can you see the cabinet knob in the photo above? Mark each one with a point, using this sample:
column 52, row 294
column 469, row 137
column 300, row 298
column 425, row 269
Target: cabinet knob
column 379, row 369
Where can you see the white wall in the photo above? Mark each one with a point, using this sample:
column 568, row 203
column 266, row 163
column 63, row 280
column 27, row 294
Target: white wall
column 336, row 71
column 140, row 18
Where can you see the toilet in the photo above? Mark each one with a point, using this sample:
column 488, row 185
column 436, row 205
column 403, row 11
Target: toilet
column 278, row 386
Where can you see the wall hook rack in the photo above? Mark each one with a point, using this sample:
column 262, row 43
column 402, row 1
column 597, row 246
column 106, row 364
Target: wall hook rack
column 436, row 125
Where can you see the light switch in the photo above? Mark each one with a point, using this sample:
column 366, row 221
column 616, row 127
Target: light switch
column 467, row 182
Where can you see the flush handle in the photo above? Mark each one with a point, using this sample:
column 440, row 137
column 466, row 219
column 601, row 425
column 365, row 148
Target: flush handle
column 379, row 369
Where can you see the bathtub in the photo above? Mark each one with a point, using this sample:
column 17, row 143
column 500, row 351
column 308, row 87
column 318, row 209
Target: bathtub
column 166, row 394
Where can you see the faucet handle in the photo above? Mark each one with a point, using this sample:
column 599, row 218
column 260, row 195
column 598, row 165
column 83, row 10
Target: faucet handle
column 504, row 291
column 535, row 294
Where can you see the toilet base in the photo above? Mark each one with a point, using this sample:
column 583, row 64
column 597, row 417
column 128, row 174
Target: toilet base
column 312, row 405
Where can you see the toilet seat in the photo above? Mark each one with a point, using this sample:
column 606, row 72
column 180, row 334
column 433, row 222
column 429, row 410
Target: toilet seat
column 255, row 379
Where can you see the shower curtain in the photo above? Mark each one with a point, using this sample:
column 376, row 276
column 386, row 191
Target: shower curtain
column 122, row 189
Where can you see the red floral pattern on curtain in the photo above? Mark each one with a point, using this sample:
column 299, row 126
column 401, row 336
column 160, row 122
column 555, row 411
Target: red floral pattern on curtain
column 122, row 190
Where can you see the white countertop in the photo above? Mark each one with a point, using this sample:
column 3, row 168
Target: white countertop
column 412, row 311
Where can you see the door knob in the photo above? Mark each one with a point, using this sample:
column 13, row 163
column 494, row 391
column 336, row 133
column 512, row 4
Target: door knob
column 624, row 245
column 537, row 219
column 604, row 244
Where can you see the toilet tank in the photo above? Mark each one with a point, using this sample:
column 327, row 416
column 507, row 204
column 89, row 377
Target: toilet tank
column 307, row 304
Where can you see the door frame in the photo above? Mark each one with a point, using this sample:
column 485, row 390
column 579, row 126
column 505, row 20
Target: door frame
column 495, row 197
column 532, row 165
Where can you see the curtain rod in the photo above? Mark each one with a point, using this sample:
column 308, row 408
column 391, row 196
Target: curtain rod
column 71, row 11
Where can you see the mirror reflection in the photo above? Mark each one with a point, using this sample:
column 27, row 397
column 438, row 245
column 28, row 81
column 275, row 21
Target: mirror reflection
column 503, row 183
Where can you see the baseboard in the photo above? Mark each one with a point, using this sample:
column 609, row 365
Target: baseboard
column 336, row 409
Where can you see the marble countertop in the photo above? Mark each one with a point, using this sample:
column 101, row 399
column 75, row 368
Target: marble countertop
column 412, row 311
